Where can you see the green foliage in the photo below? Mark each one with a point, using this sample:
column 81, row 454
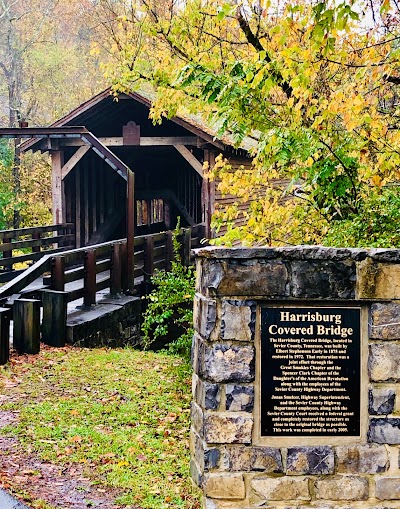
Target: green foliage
column 376, row 225
column 315, row 92
column 33, row 199
column 171, row 304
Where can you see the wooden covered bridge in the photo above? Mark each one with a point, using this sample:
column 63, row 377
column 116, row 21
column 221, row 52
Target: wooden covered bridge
column 119, row 183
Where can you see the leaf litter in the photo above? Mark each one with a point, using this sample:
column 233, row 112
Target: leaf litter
column 96, row 428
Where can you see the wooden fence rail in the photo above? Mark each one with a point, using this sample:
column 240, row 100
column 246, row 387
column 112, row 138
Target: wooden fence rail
column 81, row 273
column 84, row 272
column 76, row 274
column 27, row 245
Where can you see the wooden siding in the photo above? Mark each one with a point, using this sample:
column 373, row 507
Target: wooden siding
column 225, row 200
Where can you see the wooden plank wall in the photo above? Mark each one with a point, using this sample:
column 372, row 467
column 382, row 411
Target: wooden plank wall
column 93, row 194
column 188, row 191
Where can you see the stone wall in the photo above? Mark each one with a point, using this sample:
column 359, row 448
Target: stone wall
column 227, row 462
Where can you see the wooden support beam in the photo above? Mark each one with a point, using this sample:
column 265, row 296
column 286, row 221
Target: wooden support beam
column 4, row 335
column 26, row 333
column 54, row 326
column 7, row 254
column 130, row 231
column 58, row 273
column 187, row 243
column 194, row 163
column 78, row 240
column 68, row 166
column 36, row 236
column 169, row 250
column 124, row 265
column 57, row 187
column 145, row 141
column 86, row 206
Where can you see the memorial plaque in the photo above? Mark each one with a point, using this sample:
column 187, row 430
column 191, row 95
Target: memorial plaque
column 310, row 371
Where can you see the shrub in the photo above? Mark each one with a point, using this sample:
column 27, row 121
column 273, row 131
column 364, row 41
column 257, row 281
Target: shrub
column 376, row 225
column 171, row 303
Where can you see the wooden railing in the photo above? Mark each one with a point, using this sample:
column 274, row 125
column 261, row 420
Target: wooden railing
column 27, row 245
column 81, row 273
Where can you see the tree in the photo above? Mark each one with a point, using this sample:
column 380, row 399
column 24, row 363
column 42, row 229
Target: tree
column 315, row 83
column 46, row 68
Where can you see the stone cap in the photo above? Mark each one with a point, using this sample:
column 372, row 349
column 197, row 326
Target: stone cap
column 299, row 272
column 301, row 252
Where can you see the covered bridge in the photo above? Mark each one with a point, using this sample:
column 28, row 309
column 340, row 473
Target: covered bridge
column 167, row 160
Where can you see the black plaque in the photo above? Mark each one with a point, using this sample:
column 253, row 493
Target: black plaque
column 310, row 371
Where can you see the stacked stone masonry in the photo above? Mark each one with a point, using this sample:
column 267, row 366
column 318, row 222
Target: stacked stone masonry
column 231, row 469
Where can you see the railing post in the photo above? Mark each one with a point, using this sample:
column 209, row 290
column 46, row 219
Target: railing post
column 58, row 273
column 26, row 333
column 116, row 265
column 90, row 278
column 36, row 236
column 54, row 325
column 4, row 335
column 187, row 242
column 148, row 263
column 124, row 266
column 7, row 254
column 169, row 250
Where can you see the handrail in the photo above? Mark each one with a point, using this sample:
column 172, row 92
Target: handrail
column 17, row 232
column 27, row 277
column 23, row 245
column 146, row 261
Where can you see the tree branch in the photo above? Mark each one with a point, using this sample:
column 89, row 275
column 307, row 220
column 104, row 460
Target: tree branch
column 256, row 43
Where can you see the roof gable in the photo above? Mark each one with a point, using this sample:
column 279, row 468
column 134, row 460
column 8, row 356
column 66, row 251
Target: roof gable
column 104, row 115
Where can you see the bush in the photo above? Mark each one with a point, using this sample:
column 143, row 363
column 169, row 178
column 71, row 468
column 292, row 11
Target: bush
column 376, row 225
column 171, row 304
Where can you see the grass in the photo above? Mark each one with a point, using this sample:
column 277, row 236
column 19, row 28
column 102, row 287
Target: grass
column 123, row 414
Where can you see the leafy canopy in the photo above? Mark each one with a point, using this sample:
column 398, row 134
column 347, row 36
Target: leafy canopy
column 316, row 84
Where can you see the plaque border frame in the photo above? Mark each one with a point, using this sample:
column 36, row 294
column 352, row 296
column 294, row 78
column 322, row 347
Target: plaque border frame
column 282, row 441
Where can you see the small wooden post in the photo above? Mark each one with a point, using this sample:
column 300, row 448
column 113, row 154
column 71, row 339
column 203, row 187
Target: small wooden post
column 36, row 236
column 26, row 333
column 187, row 242
column 4, row 335
column 54, row 323
column 130, row 230
column 58, row 273
column 90, row 278
column 7, row 254
column 124, row 265
column 116, row 265
column 169, row 250
column 148, row 263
